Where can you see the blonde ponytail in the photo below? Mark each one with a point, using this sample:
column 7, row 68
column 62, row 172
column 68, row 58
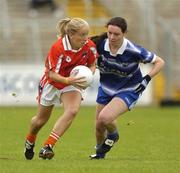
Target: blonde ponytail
column 67, row 26
column 62, row 27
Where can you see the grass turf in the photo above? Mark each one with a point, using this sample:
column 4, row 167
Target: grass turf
column 149, row 143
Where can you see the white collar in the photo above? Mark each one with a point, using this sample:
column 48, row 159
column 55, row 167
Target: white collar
column 120, row 50
column 67, row 45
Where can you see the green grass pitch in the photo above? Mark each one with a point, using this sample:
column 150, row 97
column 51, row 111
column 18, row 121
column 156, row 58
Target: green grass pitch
column 149, row 143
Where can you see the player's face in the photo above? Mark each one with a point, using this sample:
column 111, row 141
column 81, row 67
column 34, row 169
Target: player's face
column 115, row 35
column 79, row 38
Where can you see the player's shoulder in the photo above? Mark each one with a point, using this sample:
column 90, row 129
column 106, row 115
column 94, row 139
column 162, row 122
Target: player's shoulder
column 58, row 43
column 90, row 43
column 133, row 47
column 57, row 46
column 89, row 46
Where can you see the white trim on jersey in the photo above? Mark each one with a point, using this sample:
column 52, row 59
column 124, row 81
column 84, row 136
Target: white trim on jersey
column 58, row 65
column 49, row 62
column 120, row 50
column 134, row 47
column 66, row 43
column 154, row 58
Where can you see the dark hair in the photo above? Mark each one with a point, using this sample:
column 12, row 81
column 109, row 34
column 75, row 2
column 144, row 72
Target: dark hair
column 97, row 39
column 118, row 21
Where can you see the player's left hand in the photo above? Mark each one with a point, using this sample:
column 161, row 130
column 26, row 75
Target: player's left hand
column 142, row 86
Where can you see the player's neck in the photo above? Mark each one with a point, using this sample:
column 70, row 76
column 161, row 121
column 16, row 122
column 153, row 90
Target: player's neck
column 115, row 47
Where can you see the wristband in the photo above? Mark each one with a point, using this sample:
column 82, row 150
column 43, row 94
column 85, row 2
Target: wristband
column 148, row 78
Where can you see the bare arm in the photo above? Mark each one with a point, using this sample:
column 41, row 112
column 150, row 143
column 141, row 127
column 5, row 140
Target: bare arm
column 157, row 66
column 66, row 80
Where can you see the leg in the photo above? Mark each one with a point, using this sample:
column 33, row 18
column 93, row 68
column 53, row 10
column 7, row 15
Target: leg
column 40, row 119
column 100, row 133
column 106, row 121
column 37, row 122
column 110, row 128
column 71, row 102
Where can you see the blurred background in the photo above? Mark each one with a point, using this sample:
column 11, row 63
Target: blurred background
column 27, row 30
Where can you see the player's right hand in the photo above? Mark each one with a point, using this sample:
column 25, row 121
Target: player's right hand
column 79, row 82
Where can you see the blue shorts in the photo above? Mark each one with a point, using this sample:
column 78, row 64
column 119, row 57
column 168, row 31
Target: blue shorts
column 129, row 97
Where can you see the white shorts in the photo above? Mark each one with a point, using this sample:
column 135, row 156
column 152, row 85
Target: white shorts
column 51, row 95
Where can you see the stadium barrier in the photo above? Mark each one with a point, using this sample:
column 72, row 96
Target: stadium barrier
column 19, row 82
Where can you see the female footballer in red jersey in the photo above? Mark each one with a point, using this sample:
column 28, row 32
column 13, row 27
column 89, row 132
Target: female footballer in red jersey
column 71, row 49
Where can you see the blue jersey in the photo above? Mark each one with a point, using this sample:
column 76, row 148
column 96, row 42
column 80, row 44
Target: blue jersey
column 121, row 72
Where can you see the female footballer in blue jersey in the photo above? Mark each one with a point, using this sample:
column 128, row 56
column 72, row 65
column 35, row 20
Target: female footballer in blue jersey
column 121, row 80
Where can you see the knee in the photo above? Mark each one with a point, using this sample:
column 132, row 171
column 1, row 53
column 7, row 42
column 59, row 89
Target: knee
column 72, row 112
column 102, row 120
